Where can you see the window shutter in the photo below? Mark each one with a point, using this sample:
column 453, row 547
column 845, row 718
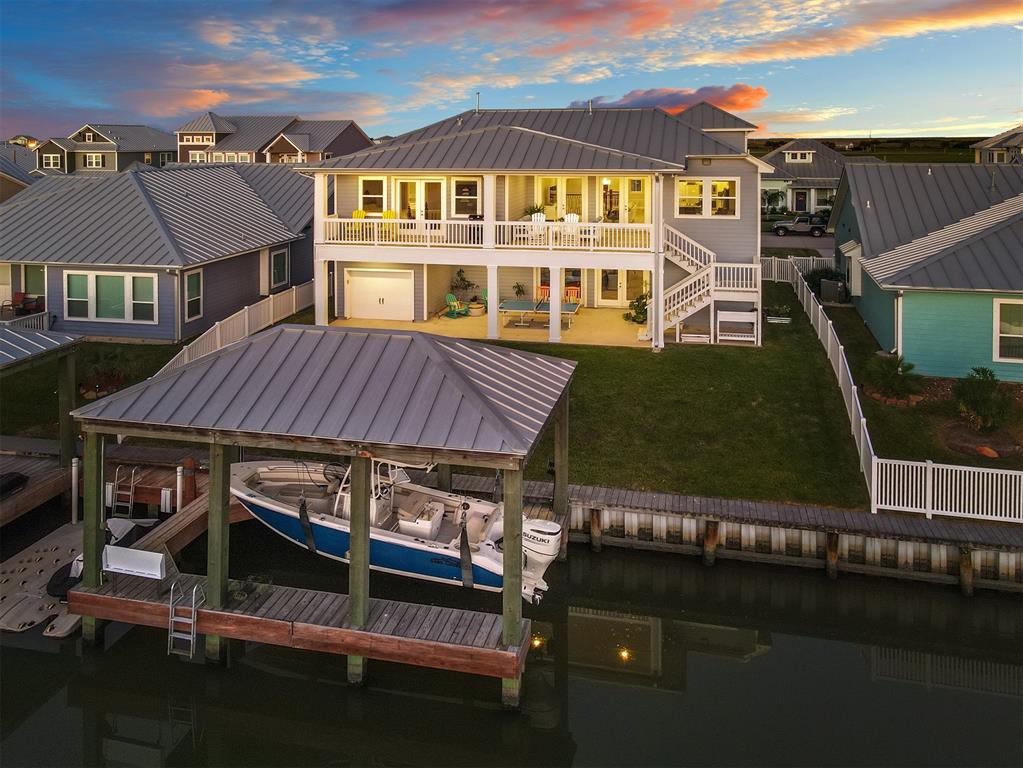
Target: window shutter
column 102, row 161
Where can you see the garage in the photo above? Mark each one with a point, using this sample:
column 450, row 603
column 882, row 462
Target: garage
column 379, row 294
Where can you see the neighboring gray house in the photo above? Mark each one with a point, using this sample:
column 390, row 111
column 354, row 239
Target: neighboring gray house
column 159, row 254
column 98, row 148
column 213, row 138
column 16, row 164
column 807, row 171
column 933, row 255
column 1006, row 147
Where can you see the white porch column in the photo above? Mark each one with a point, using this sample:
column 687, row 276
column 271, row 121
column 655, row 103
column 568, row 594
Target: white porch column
column 555, row 316
column 489, row 210
column 655, row 308
column 493, row 303
column 320, row 286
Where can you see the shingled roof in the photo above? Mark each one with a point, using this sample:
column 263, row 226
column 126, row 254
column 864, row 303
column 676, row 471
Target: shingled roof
column 371, row 387
column 172, row 217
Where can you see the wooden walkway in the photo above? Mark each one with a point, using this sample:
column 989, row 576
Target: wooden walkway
column 46, row 480
column 971, row 533
column 407, row 633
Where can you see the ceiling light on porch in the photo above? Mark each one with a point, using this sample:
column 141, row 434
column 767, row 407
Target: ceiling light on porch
column 605, row 181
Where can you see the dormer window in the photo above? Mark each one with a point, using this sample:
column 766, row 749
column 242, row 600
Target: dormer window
column 88, row 137
column 799, row 157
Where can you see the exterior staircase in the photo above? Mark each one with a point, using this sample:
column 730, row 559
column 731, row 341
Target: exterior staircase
column 706, row 281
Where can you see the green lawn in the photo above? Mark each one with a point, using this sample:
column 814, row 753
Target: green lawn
column 712, row 420
column 906, row 433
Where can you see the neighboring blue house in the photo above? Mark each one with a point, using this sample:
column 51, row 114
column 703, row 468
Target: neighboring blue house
column 933, row 255
column 157, row 254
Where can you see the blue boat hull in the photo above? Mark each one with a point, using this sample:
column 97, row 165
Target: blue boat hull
column 385, row 554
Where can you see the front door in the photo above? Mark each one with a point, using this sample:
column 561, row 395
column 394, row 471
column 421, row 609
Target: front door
column 560, row 195
column 617, row 287
column 800, row 200
column 421, row 199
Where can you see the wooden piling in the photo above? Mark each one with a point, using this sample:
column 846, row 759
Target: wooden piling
column 966, row 571
column 66, row 389
column 444, row 477
column 511, row 594
column 94, row 535
column 218, row 536
column 710, row 542
column 189, row 490
column 596, row 529
column 831, row 554
column 358, row 564
column 561, row 458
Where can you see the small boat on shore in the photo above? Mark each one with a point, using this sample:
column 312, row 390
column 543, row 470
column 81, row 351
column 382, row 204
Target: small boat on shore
column 415, row 531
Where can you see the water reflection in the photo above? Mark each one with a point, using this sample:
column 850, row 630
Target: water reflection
column 636, row 659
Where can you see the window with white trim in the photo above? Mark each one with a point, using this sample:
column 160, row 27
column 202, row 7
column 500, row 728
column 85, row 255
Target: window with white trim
column 231, row 157
column 147, row 158
column 93, row 161
column 193, row 295
column 218, row 157
column 278, row 268
column 467, row 197
column 998, row 156
column 243, row 157
column 798, row 157
column 110, row 297
column 197, row 157
column 1008, row 331
column 51, row 161
column 371, row 194
column 708, row 197
column 88, row 137
column 165, row 157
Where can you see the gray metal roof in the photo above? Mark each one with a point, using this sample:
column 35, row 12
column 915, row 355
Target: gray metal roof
column 315, row 135
column 706, row 116
column 208, row 123
column 365, row 386
column 898, row 202
column 20, row 344
column 21, row 156
column 252, row 132
column 1010, row 138
column 14, row 171
column 134, row 138
column 981, row 252
column 171, row 217
column 504, row 147
column 826, row 165
column 646, row 132
column 289, row 194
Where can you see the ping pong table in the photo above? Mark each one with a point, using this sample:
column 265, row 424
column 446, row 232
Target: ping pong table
column 525, row 308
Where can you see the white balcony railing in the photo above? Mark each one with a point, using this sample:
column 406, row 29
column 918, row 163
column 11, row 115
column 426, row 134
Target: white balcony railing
column 477, row 234
column 39, row 321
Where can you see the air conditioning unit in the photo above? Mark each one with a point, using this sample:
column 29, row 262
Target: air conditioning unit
column 833, row 291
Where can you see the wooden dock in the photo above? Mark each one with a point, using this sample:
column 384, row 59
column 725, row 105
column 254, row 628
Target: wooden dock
column 941, row 550
column 46, row 480
column 407, row 633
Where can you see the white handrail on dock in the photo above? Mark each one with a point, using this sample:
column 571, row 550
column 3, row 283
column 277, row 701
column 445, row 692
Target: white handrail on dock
column 898, row 485
column 245, row 322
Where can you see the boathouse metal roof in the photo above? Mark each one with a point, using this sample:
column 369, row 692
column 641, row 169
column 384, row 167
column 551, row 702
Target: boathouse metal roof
column 20, row 344
column 371, row 388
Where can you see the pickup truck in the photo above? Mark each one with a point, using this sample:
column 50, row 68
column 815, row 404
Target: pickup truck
column 801, row 225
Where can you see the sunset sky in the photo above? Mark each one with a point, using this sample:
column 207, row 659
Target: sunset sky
column 820, row 67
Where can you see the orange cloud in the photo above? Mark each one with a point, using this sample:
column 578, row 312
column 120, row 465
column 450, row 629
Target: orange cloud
column 739, row 97
column 879, row 24
column 255, row 70
column 169, row 102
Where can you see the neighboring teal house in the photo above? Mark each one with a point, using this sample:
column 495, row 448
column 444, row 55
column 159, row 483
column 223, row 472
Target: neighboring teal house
column 933, row 256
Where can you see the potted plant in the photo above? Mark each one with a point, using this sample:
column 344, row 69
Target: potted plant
column 520, row 290
column 780, row 314
column 638, row 309
column 476, row 307
column 529, row 210
column 461, row 286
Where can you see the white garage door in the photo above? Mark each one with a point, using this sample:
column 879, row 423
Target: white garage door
column 378, row 294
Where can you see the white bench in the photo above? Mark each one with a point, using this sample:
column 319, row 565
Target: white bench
column 124, row 561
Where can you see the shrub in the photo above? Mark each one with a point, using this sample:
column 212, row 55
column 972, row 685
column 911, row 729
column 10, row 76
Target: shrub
column 813, row 278
column 529, row 210
column 891, row 376
column 639, row 309
column 982, row 401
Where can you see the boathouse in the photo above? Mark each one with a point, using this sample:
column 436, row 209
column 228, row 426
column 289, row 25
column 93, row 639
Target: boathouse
column 363, row 394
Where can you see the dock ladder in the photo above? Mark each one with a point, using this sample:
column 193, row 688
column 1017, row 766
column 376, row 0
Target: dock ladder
column 181, row 641
column 124, row 491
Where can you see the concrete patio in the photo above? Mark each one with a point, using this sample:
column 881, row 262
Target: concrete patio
column 603, row 327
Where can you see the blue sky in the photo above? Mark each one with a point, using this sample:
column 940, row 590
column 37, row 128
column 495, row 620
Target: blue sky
column 794, row 67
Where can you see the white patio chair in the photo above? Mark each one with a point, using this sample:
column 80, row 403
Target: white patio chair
column 570, row 232
column 538, row 229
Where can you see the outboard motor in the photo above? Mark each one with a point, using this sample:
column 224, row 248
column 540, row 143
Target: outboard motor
column 541, row 542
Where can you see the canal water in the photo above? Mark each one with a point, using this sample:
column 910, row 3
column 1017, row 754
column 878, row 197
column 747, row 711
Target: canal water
column 638, row 659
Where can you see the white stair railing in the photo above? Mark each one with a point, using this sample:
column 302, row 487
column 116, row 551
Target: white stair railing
column 685, row 251
column 687, row 294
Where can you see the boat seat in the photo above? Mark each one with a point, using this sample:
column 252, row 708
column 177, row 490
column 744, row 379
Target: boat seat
column 474, row 527
column 295, row 490
column 413, row 506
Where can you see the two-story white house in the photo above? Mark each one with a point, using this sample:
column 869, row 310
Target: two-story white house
column 570, row 213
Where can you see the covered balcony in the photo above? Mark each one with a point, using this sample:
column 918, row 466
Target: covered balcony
column 523, row 212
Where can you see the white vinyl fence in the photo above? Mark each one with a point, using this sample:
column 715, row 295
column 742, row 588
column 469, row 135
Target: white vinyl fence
column 245, row 322
column 904, row 486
